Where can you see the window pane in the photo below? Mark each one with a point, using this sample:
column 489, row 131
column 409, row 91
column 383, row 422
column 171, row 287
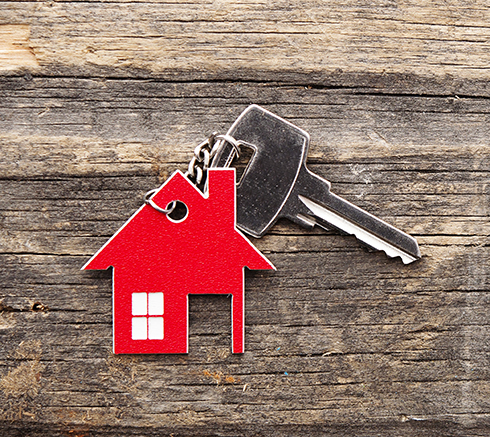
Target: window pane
column 155, row 328
column 155, row 304
column 138, row 331
column 138, row 304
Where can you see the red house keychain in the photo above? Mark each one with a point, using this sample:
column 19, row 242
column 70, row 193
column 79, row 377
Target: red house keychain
column 158, row 261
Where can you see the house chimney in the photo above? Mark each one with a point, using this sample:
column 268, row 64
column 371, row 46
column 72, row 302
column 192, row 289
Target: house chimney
column 222, row 191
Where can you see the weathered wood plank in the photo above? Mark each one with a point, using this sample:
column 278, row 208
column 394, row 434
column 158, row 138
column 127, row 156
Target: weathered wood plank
column 232, row 40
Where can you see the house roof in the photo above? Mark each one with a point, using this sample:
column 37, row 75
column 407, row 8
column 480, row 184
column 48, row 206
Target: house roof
column 207, row 236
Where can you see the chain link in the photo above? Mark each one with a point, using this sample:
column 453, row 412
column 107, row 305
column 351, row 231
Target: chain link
column 199, row 165
column 205, row 152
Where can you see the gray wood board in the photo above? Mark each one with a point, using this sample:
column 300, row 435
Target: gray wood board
column 339, row 341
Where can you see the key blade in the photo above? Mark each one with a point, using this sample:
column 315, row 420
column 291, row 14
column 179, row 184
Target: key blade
column 408, row 254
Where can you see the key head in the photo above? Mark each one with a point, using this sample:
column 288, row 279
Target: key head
column 280, row 149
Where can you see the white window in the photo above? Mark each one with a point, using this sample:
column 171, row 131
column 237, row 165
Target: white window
column 155, row 328
column 139, row 328
column 145, row 308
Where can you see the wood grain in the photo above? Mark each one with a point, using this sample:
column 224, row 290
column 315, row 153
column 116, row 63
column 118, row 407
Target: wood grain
column 14, row 50
column 339, row 341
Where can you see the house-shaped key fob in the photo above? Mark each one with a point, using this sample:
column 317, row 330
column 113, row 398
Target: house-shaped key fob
column 158, row 261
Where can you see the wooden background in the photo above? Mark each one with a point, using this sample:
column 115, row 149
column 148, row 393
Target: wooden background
column 101, row 100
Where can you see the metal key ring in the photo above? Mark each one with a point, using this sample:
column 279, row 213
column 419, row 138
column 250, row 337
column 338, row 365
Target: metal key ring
column 170, row 207
column 232, row 141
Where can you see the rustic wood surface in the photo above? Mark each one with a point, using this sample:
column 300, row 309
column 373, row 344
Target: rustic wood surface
column 101, row 101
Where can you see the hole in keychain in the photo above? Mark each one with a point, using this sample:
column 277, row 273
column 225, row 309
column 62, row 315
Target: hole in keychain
column 179, row 211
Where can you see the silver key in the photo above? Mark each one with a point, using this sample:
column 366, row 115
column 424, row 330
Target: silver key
column 276, row 184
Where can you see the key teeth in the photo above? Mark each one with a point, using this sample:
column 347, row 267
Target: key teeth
column 406, row 259
column 409, row 255
column 391, row 251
